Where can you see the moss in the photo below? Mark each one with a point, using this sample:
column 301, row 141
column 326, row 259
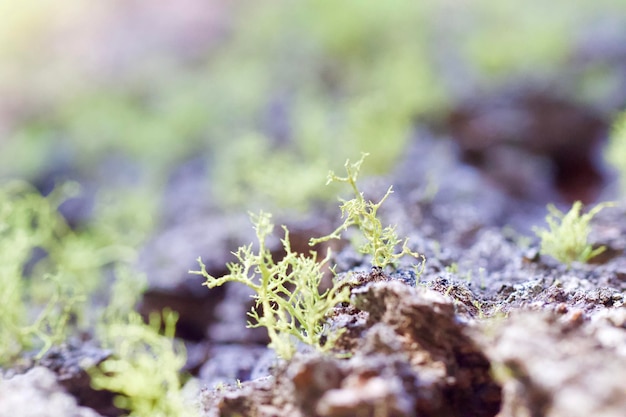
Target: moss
column 145, row 366
column 35, row 304
column 49, row 272
column 616, row 150
column 567, row 234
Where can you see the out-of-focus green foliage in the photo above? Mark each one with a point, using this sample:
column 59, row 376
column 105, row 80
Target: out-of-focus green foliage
column 35, row 303
column 497, row 48
column 144, row 369
column 290, row 87
column 566, row 238
column 616, row 150
column 49, row 272
column 267, row 176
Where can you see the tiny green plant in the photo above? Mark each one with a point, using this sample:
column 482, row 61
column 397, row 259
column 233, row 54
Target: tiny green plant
column 288, row 302
column 567, row 234
column 616, row 150
column 378, row 241
column 144, row 369
column 35, row 306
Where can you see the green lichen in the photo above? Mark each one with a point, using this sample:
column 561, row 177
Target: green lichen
column 381, row 243
column 144, row 368
column 35, row 303
column 566, row 238
column 616, row 150
column 50, row 272
column 145, row 364
column 288, row 301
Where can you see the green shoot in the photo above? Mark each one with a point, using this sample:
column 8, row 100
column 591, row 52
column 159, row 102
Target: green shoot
column 379, row 242
column 144, row 370
column 566, row 238
column 288, row 302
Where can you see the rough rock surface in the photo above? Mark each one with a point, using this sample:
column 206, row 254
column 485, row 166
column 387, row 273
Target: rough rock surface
column 560, row 366
column 37, row 393
column 411, row 357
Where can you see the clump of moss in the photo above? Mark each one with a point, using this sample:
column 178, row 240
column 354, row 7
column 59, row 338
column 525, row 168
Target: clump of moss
column 288, row 301
column 567, row 234
column 379, row 242
column 616, row 150
column 145, row 366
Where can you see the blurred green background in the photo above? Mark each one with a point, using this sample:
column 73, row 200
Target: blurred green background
column 268, row 94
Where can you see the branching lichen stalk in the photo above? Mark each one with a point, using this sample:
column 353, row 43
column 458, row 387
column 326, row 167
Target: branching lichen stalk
column 288, row 302
column 378, row 241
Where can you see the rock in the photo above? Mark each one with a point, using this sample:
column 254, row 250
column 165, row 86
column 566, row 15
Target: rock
column 411, row 357
column 437, row 346
column 558, row 367
column 37, row 393
column 68, row 362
